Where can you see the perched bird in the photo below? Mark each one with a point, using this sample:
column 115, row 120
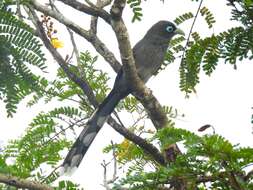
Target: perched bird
column 149, row 55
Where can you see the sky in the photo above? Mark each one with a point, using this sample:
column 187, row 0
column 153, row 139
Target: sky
column 223, row 100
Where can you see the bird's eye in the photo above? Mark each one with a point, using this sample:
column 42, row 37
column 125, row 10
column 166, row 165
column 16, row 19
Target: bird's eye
column 169, row 28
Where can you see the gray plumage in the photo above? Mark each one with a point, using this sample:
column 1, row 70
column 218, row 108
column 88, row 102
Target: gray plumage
column 149, row 54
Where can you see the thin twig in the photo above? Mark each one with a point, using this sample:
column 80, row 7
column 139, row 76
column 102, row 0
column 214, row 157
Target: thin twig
column 104, row 165
column 63, row 130
column 114, row 177
column 105, row 184
column 20, row 16
column 190, row 32
column 51, row 173
column 139, row 119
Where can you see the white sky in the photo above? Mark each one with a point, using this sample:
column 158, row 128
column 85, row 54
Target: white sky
column 223, row 100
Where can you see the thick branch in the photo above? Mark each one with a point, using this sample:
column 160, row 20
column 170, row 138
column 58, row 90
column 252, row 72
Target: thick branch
column 23, row 183
column 141, row 92
column 117, row 9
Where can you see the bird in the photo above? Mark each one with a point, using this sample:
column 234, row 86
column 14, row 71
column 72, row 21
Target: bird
column 149, row 54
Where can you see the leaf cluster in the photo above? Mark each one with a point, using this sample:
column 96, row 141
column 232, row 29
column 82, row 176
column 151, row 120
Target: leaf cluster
column 20, row 50
column 230, row 46
column 242, row 11
column 39, row 150
column 199, row 53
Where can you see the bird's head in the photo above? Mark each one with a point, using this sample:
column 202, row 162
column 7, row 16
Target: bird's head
column 163, row 30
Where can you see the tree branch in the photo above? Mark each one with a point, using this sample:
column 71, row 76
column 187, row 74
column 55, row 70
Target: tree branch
column 93, row 39
column 93, row 24
column 93, row 11
column 231, row 176
column 140, row 91
column 106, row 182
column 72, row 76
column 23, row 183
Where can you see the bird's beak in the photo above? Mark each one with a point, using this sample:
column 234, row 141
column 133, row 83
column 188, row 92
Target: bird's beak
column 179, row 31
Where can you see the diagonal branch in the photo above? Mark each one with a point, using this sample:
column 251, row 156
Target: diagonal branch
column 190, row 32
column 23, row 183
column 93, row 39
column 147, row 147
column 63, row 64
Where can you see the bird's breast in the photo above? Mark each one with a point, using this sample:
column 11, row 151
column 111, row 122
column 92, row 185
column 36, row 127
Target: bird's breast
column 148, row 59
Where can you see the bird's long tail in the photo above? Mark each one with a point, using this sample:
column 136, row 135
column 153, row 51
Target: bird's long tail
column 95, row 123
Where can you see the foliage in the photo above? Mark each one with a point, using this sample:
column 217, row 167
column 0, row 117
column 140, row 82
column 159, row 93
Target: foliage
column 20, row 50
column 5, row 3
column 209, row 158
column 67, row 185
column 135, row 5
column 232, row 45
column 39, row 149
column 205, row 53
column 182, row 18
column 136, row 9
column 63, row 88
column 208, row 16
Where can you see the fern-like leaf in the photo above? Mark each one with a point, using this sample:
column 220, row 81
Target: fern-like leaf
column 136, row 9
column 19, row 50
column 210, row 20
column 184, row 17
